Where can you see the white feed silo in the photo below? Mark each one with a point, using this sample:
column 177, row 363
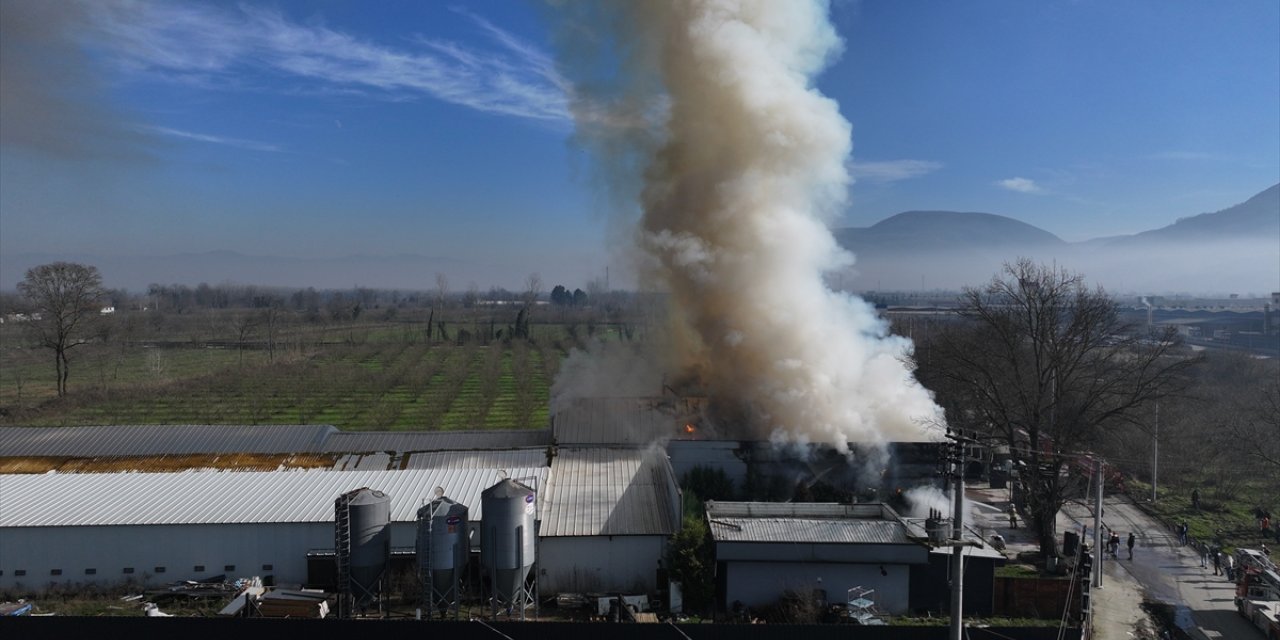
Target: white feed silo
column 443, row 548
column 508, row 544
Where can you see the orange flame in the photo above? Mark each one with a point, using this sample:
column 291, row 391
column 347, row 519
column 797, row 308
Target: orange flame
column 688, row 428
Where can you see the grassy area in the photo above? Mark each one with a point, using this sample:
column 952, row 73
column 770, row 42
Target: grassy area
column 1016, row 570
column 1226, row 515
column 364, row 384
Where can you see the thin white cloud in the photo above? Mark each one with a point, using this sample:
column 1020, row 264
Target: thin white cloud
column 204, row 137
column 210, row 45
column 891, row 170
column 1021, row 185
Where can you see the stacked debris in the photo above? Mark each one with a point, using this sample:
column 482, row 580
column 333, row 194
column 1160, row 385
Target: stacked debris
column 255, row 600
column 216, row 587
column 291, row 603
column 19, row 608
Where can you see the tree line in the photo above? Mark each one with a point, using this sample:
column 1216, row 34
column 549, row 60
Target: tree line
column 65, row 305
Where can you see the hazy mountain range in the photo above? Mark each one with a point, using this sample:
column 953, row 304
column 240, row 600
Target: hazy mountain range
column 1235, row 250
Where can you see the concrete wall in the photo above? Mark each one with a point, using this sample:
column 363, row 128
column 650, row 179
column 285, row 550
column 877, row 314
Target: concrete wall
column 108, row 550
column 762, row 583
column 931, row 584
column 599, row 563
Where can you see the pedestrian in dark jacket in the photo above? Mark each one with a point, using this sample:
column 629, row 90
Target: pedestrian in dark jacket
column 1132, row 541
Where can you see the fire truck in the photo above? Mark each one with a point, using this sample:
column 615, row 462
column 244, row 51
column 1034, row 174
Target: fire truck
column 1258, row 591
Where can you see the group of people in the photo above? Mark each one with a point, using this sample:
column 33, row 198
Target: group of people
column 1113, row 544
column 1224, row 564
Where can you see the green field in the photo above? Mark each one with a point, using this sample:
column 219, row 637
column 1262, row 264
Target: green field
column 365, row 377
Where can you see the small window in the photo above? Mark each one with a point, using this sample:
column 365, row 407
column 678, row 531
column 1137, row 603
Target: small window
column 128, row 569
column 20, row 572
column 198, row 568
column 159, row 569
column 267, row 567
column 55, row 572
column 90, row 572
column 230, row 567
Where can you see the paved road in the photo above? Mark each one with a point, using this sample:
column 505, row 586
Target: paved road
column 1170, row 573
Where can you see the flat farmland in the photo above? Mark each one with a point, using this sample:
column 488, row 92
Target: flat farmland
column 384, row 378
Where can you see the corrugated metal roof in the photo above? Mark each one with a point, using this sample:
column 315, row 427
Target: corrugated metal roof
column 150, row 440
column 805, row 523
column 624, row 421
column 822, row 510
column 211, row 497
column 158, row 440
column 402, row 441
column 808, row 530
column 504, row 459
column 610, row 491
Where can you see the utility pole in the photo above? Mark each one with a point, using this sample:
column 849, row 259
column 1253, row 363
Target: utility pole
column 954, row 468
column 1097, row 525
column 957, row 551
column 1155, row 455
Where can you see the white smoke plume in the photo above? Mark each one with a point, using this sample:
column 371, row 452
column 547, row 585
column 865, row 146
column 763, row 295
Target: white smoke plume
column 706, row 119
column 921, row 500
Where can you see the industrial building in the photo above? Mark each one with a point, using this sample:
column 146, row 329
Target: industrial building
column 607, row 516
column 763, row 549
column 165, row 503
column 606, row 512
column 158, row 527
column 839, row 551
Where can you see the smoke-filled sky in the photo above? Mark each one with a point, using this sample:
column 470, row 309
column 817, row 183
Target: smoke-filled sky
column 704, row 113
column 315, row 129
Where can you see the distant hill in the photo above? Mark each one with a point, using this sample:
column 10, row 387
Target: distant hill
column 1257, row 217
column 945, row 230
column 1236, row 249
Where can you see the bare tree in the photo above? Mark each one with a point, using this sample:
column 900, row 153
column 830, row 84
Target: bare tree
column 65, row 297
column 272, row 318
column 1045, row 365
column 243, row 324
column 1256, row 430
column 532, row 288
column 442, row 289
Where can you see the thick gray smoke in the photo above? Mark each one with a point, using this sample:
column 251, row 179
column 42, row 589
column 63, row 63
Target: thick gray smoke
column 704, row 113
column 50, row 98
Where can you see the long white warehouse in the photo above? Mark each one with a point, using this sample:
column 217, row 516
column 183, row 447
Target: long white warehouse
column 157, row 527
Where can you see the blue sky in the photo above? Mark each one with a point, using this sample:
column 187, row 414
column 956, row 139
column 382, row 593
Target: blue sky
column 337, row 128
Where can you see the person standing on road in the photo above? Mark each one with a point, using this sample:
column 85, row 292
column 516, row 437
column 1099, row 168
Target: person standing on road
column 1231, row 568
column 1132, row 541
column 1203, row 549
column 1182, row 533
column 1217, row 562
